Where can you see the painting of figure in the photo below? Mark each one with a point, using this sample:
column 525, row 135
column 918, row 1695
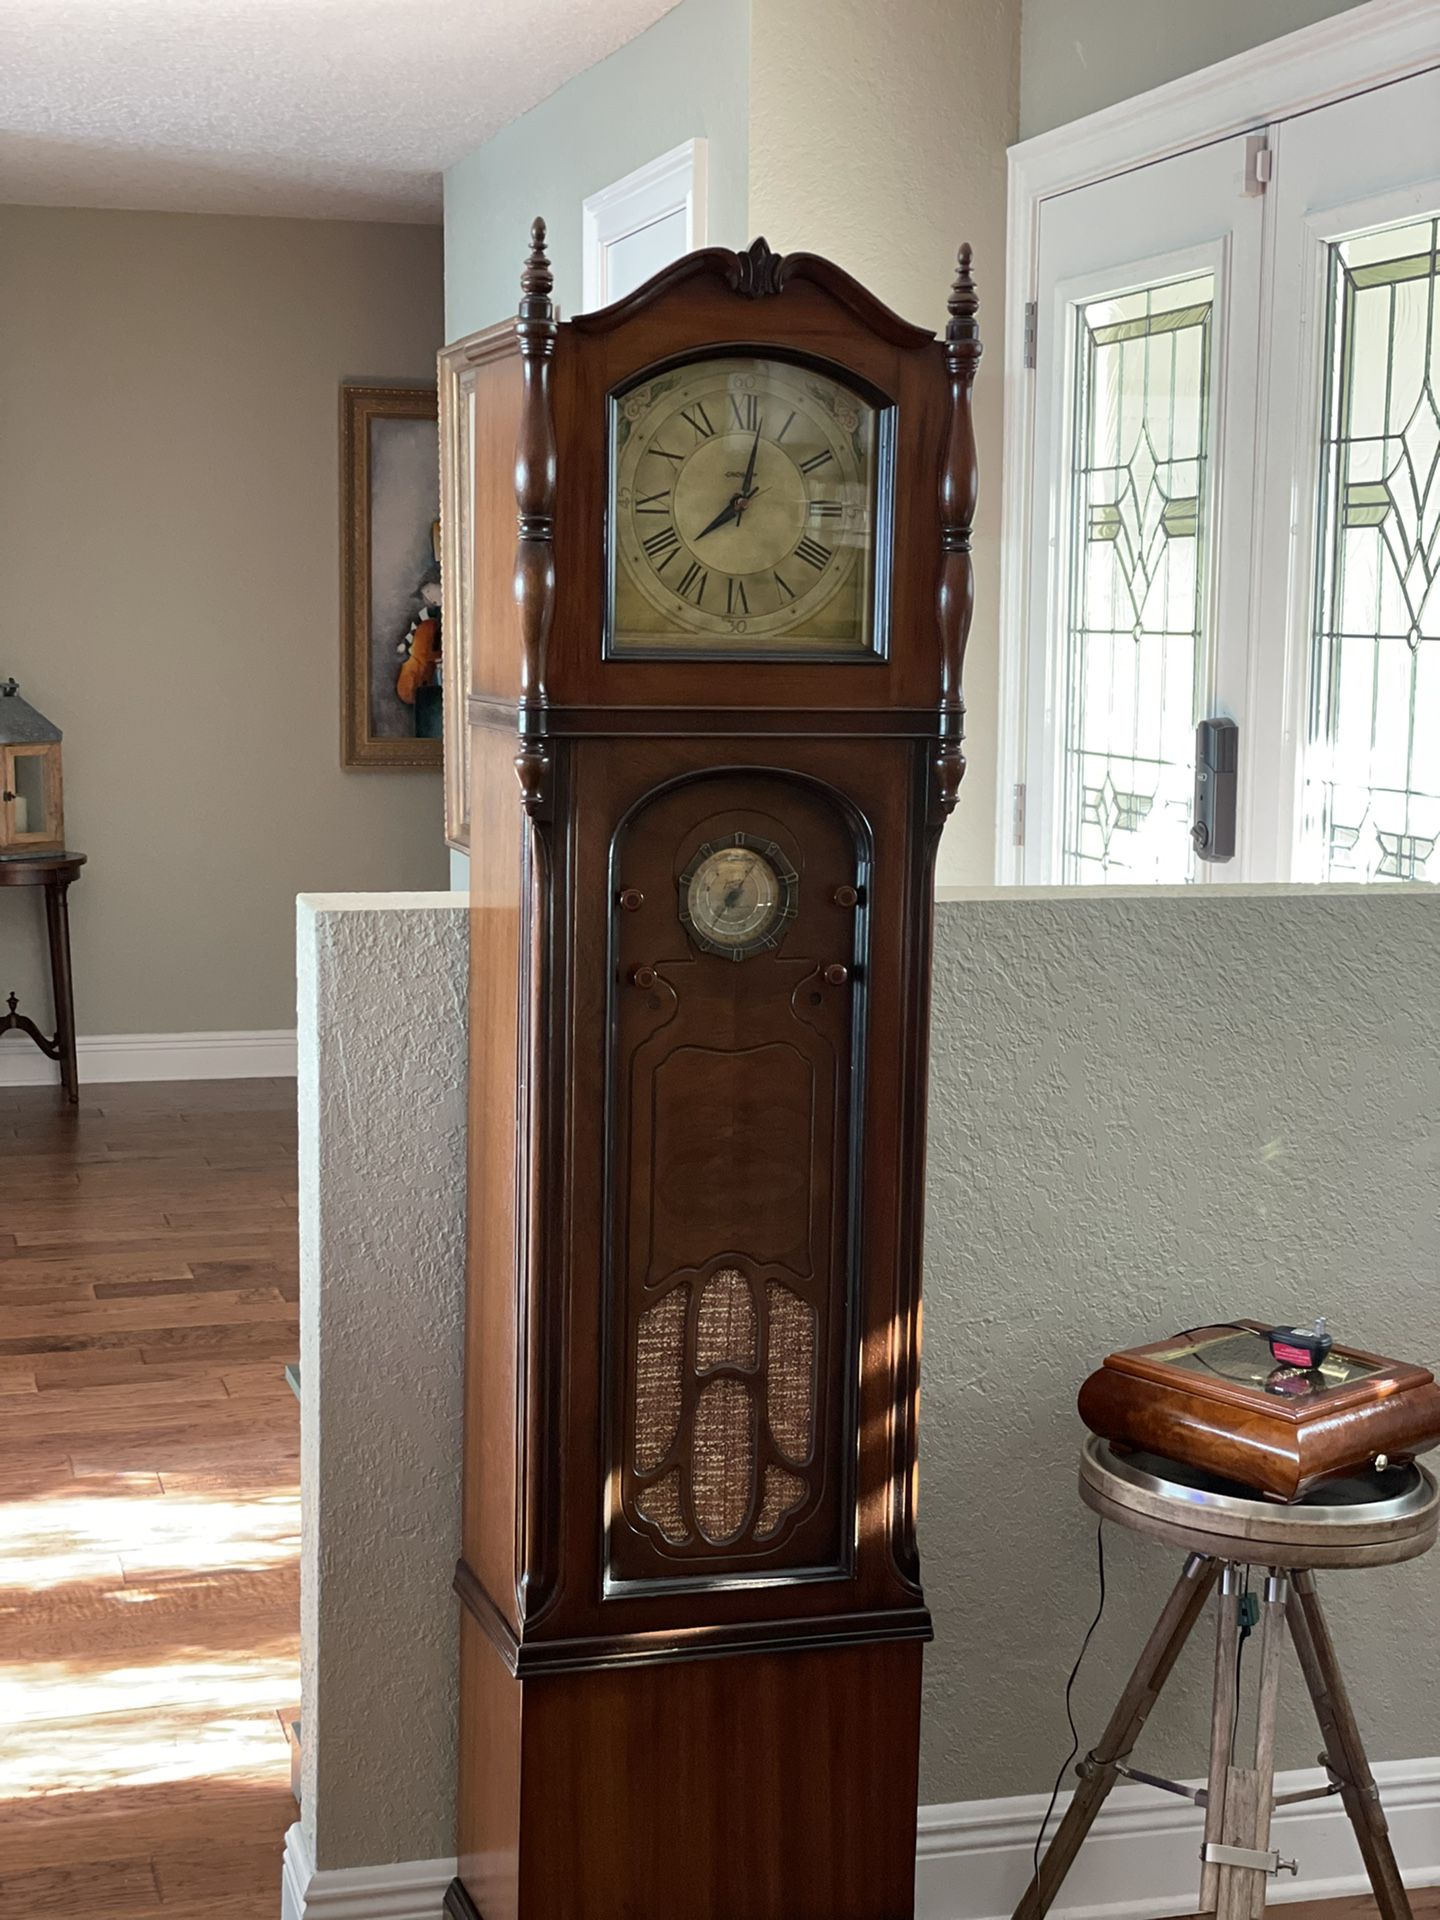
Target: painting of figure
column 392, row 664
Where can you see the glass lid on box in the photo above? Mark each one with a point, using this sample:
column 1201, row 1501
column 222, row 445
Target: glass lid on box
column 1244, row 1360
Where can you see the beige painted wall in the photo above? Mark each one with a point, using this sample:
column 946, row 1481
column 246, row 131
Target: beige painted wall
column 1080, row 55
column 885, row 153
column 168, row 548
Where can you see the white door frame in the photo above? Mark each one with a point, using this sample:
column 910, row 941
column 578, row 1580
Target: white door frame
column 675, row 182
column 1364, row 47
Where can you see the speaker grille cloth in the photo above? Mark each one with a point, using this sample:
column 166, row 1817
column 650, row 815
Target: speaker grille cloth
column 790, row 1372
column 722, row 1474
column 659, row 1364
column 726, row 1322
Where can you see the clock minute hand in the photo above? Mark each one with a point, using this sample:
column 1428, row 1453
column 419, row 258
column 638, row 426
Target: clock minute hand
column 749, row 480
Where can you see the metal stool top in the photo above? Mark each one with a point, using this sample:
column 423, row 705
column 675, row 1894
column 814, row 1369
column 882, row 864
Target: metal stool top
column 1371, row 1519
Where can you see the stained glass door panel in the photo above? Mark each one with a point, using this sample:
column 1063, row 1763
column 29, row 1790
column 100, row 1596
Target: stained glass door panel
column 1371, row 789
column 1135, row 667
column 1137, row 607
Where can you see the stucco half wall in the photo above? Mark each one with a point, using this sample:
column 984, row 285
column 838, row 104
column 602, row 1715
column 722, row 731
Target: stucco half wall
column 1148, row 1109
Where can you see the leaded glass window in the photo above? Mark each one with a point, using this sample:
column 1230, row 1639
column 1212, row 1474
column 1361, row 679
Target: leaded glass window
column 1135, row 660
column 1372, row 768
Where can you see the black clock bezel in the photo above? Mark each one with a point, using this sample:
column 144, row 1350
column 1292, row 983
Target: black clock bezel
column 767, row 942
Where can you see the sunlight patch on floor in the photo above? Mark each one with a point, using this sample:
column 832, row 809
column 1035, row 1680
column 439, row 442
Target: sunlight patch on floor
column 53, row 1542
column 145, row 1749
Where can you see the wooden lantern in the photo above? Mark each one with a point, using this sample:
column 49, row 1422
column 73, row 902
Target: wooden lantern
column 700, row 970
column 32, row 811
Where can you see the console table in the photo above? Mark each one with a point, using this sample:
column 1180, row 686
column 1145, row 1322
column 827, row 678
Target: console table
column 53, row 872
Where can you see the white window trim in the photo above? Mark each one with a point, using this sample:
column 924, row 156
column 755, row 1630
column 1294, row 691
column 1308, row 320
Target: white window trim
column 1349, row 53
column 673, row 183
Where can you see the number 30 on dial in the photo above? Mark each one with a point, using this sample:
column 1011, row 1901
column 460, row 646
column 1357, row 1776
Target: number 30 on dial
column 746, row 494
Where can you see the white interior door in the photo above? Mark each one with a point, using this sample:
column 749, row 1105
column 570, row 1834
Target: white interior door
column 1348, row 650
column 1143, row 481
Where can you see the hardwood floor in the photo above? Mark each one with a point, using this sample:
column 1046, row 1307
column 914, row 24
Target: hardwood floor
column 149, row 1500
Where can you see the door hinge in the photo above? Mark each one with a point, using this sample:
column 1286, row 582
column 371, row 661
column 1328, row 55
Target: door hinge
column 1259, row 164
column 1018, row 816
column 1032, row 331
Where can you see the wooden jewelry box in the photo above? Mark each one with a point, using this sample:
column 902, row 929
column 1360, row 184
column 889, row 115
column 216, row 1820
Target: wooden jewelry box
column 1214, row 1398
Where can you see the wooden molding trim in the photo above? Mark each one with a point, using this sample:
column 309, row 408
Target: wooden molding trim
column 724, row 722
column 524, row 1659
column 458, row 1904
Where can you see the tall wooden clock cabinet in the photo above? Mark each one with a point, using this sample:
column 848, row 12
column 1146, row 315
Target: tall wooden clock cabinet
column 728, row 677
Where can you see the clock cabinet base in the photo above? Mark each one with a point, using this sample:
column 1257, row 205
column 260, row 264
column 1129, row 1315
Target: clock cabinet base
column 755, row 1787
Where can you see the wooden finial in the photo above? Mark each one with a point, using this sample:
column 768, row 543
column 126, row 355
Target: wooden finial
column 964, row 302
column 535, row 458
column 537, row 280
column 959, row 482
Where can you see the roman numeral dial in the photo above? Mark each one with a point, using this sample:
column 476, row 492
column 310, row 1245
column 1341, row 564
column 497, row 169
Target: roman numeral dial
column 744, row 507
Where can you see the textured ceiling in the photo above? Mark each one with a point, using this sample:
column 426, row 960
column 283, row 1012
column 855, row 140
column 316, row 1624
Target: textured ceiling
column 325, row 108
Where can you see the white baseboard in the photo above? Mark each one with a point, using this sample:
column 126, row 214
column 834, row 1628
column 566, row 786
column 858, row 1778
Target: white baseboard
column 105, row 1058
column 411, row 1890
column 1141, row 1862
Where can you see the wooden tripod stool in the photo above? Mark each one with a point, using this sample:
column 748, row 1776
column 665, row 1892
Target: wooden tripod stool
column 1373, row 1519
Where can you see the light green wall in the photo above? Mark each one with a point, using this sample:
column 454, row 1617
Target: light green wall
column 1077, row 56
column 684, row 78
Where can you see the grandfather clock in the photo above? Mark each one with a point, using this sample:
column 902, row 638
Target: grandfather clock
column 729, row 681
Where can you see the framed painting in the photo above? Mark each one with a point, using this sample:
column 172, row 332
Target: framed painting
column 392, row 665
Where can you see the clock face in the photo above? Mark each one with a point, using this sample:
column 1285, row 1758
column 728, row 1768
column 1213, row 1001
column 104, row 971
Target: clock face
column 745, row 513
column 737, row 899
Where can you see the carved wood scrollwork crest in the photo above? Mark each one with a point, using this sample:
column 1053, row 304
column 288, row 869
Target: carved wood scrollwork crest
column 757, row 271
column 959, row 484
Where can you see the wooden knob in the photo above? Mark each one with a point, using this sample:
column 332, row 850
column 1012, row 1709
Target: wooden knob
column 644, row 977
column 836, row 975
column 631, row 899
column 846, row 896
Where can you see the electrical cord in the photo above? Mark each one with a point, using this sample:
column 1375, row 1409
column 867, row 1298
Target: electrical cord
column 1069, row 1691
column 1188, row 1333
column 1239, row 1659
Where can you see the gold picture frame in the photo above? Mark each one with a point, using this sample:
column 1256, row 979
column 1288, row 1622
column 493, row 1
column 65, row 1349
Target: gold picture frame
column 388, row 513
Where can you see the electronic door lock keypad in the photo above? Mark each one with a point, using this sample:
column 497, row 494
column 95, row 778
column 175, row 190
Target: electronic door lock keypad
column 1217, row 763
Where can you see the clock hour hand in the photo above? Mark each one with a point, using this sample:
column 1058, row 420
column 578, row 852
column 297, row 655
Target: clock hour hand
column 730, row 511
